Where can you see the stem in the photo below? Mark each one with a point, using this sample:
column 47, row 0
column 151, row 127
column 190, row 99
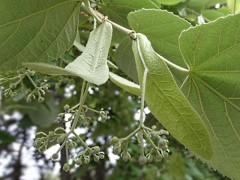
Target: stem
column 83, row 97
column 172, row 64
column 100, row 18
column 131, row 134
column 90, row 109
column 33, row 83
column 80, row 139
column 151, row 142
column 88, row 7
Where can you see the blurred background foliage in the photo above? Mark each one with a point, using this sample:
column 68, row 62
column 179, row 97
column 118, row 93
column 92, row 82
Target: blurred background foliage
column 20, row 120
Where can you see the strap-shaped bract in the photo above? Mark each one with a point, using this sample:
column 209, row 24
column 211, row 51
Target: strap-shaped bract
column 166, row 101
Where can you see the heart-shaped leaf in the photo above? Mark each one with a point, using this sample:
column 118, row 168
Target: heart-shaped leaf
column 213, row 87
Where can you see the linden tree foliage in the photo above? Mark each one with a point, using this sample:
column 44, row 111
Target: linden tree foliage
column 182, row 56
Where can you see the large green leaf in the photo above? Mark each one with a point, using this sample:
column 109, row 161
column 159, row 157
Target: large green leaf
column 163, row 29
column 166, row 101
column 35, row 31
column 213, row 87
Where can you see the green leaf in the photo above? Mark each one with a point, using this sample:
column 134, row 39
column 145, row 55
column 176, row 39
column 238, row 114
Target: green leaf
column 167, row 103
column 43, row 114
column 211, row 15
column 212, row 53
column 168, row 2
column 234, row 5
column 117, row 11
column 6, row 138
column 204, row 4
column 91, row 65
column 125, row 84
column 163, row 31
column 176, row 166
column 124, row 58
column 36, row 31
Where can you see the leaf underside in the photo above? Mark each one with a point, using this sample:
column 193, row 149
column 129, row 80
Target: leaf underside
column 36, row 31
column 213, row 87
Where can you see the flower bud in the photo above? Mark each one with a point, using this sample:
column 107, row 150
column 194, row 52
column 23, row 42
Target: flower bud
column 114, row 140
column 55, row 156
column 66, row 167
column 142, row 160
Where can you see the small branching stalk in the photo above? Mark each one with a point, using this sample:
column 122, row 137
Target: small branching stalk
column 70, row 140
column 14, row 82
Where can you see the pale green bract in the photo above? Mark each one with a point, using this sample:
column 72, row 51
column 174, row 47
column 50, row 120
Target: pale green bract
column 166, row 101
column 91, row 65
column 36, row 31
column 125, row 84
column 213, row 87
column 163, row 31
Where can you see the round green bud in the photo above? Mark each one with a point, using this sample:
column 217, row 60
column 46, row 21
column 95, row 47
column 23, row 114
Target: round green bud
column 66, row 107
column 55, row 156
column 29, row 99
column 101, row 155
column 86, row 159
column 85, row 123
column 41, row 149
column 40, row 99
column 31, row 73
column 149, row 158
column 117, row 150
column 38, row 142
column 96, row 149
column 142, row 159
column 158, row 157
column 154, row 127
column 66, row 167
column 13, row 86
column 126, row 156
column 96, row 158
column 114, row 140
column 61, row 138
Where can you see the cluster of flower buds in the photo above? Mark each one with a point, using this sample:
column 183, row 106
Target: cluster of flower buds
column 151, row 141
column 36, row 93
